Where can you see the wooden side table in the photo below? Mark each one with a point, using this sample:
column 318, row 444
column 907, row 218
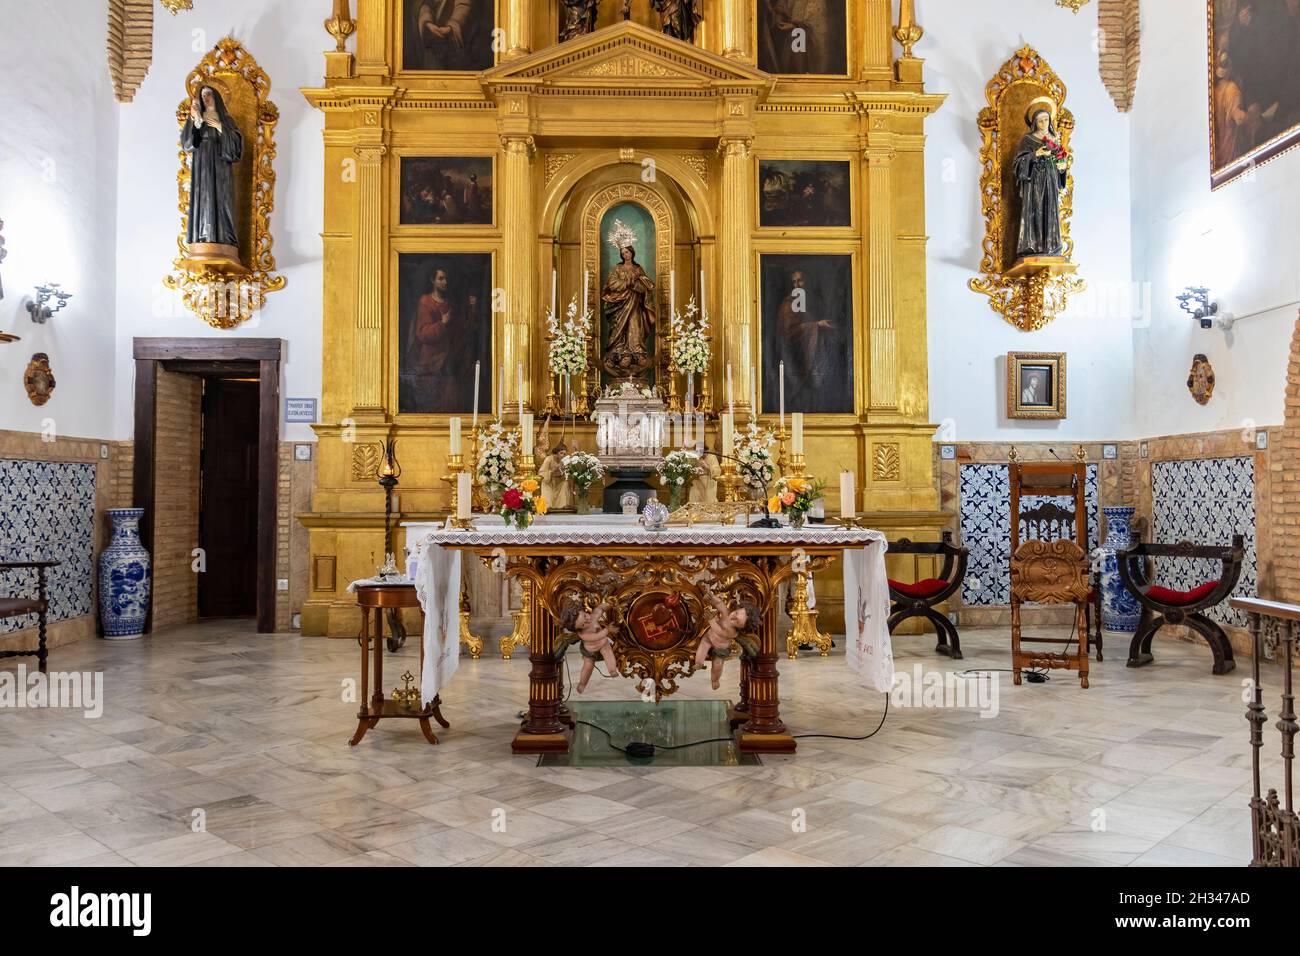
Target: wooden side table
column 376, row 599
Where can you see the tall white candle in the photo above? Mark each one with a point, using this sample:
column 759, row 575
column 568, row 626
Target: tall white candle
column 796, row 439
column 744, row 352
column 526, row 435
column 701, row 290
column 501, row 393
column 474, row 423
column 519, row 387
column 554, row 291
column 753, row 392
column 848, row 497
column 731, row 395
column 464, row 494
column 728, row 426
column 455, row 436
column 672, row 290
column 586, row 288
column 782, row 396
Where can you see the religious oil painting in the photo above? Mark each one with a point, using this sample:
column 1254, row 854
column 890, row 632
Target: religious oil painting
column 807, row 308
column 447, row 34
column 444, row 327
column 803, row 37
column 628, row 293
column 803, row 193
column 1254, row 84
column 446, row 191
column 1035, row 385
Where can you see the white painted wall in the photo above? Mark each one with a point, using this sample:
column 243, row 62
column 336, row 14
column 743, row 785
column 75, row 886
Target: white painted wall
column 286, row 38
column 1241, row 241
column 58, row 187
column 965, row 43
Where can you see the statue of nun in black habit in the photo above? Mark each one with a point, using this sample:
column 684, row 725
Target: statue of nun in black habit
column 215, row 145
column 1039, row 167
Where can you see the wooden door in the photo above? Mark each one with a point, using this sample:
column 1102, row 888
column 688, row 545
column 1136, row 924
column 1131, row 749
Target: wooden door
column 228, row 498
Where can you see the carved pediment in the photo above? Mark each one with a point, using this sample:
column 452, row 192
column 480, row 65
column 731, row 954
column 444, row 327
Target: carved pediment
column 626, row 51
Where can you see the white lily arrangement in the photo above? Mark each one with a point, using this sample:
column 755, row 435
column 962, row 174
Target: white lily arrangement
column 583, row 469
column 755, row 463
column 496, row 456
column 690, row 352
column 568, row 346
column 679, row 467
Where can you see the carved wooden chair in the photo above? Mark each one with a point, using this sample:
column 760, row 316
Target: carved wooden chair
column 1161, row 605
column 1050, row 520
column 1050, row 571
column 38, row 605
column 921, row 598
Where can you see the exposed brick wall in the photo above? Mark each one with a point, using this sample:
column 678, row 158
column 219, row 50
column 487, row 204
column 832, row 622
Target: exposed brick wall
column 178, row 435
column 1284, row 475
column 1119, row 49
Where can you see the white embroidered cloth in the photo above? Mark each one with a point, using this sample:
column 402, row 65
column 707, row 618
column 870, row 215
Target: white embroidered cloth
column 437, row 586
column 866, row 588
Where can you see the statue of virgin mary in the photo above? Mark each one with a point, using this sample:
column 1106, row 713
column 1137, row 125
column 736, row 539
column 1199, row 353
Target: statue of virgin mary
column 1039, row 166
column 627, row 304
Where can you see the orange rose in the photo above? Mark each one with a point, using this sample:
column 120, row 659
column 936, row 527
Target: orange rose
column 529, row 485
column 797, row 485
column 773, row 505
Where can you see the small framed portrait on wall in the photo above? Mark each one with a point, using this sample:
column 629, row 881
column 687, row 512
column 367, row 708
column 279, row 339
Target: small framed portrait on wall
column 1036, row 385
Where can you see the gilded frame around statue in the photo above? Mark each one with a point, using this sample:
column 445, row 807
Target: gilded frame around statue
column 1027, row 298
column 226, row 299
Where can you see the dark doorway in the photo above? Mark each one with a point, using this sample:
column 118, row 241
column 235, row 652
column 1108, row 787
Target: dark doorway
column 221, row 359
column 228, row 498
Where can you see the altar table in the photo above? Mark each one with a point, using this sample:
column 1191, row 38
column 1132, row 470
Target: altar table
column 653, row 580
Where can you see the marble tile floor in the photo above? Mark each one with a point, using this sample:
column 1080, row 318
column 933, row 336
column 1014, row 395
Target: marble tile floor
column 243, row 738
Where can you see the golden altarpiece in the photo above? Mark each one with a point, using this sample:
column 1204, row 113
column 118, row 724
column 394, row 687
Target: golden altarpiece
column 571, row 128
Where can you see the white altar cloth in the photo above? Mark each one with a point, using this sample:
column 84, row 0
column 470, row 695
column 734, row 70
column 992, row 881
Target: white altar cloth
column 869, row 652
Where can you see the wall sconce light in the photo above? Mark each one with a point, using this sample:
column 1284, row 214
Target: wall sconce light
column 38, row 310
column 1195, row 301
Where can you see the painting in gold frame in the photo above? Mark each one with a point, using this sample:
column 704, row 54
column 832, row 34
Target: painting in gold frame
column 1036, row 385
column 1254, row 89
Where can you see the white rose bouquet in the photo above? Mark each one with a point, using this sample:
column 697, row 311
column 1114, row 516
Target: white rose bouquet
column 690, row 352
column 583, row 469
column 755, row 463
column 568, row 345
column 678, row 468
column 496, row 456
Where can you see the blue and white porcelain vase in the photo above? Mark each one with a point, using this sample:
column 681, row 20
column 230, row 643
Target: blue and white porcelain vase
column 1119, row 609
column 124, row 577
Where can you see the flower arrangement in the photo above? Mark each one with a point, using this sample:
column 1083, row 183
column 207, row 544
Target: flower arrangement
column 583, row 469
column 496, row 456
column 678, row 468
column 1060, row 156
column 568, row 345
column 690, row 352
column 754, row 458
column 794, row 498
column 521, row 502
column 629, row 390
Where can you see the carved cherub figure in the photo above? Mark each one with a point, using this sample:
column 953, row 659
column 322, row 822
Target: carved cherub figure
column 591, row 628
column 728, row 626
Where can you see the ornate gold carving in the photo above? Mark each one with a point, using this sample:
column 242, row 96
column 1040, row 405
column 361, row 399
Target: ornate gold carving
column 38, row 379
column 803, row 619
column 698, row 164
column 224, row 298
column 176, row 6
column 1074, row 6
column 554, row 163
column 908, row 32
column 522, row 635
column 1032, row 295
column 629, row 66
column 467, row 636
column 341, row 25
column 365, row 460
column 886, row 462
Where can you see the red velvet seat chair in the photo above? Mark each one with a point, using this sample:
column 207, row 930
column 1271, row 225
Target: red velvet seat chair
column 920, row 598
column 1161, row 605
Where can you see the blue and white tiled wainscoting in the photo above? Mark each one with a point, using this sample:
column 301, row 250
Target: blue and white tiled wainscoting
column 47, row 512
column 985, row 524
column 1206, row 502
